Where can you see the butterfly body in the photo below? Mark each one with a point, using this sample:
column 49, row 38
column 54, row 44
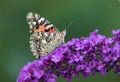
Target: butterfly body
column 44, row 36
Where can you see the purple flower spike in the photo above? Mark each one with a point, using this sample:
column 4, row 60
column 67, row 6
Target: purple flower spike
column 86, row 55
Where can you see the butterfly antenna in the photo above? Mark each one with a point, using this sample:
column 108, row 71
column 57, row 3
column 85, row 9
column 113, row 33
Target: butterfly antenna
column 69, row 24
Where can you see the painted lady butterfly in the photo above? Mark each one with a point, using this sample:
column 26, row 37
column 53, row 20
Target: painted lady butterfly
column 44, row 36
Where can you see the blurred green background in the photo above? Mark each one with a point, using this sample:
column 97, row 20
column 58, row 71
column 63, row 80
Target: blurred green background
column 86, row 16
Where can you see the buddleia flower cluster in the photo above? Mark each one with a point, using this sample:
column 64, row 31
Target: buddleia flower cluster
column 86, row 55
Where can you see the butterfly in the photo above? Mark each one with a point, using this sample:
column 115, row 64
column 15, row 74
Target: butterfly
column 44, row 36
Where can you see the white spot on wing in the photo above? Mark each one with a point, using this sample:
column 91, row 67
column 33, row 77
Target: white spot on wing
column 34, row 23
column 43, row 42
column 29, row 15
column 41, row 19
column 48, row 26
column 37, row 16
column 46, row 34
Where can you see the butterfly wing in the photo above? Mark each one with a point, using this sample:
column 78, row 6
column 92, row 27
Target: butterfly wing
column 44, row 36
